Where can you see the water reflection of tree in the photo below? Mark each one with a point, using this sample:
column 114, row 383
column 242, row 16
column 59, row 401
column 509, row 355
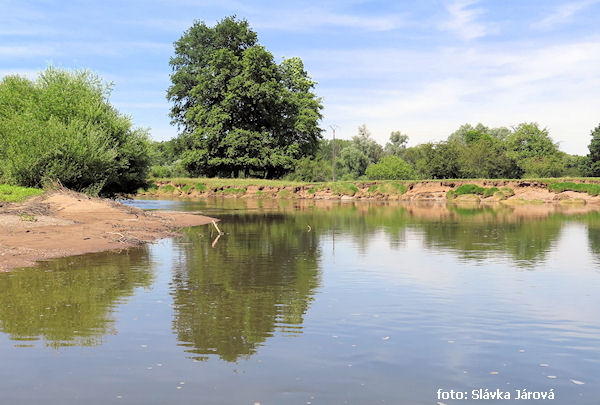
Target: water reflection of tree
column 524, row 234
column 473, row 233
column 68, row 301
column 258, row 279
column 593, row 225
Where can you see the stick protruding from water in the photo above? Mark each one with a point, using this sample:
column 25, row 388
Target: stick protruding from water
column 216, row 227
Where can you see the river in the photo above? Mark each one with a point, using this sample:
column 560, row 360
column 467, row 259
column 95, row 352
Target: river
column 315, row 303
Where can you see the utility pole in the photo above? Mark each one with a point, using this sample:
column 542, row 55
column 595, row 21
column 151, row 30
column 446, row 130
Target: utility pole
column 333, row 128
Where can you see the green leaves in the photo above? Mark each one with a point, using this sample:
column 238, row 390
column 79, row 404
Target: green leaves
column 238, row 111
column 390, row 168
column 62, row 127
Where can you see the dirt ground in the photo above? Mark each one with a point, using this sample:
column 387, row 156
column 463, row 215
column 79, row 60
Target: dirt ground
column 64, row 223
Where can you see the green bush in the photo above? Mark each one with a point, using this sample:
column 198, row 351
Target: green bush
column 160, row 171
column 62, row 127
column 390, row 168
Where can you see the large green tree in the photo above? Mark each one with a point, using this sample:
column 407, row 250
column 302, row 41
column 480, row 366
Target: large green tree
column 592, row 164
column 237, row 110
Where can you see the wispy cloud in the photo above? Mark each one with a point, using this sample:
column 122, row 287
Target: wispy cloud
column 308, row 19
column 564, row 13
column 28, row 73
column 498, row 87
column 463, row 20
column 29, row 51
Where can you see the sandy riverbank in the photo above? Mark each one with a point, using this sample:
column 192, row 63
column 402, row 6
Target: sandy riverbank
column 64, row 223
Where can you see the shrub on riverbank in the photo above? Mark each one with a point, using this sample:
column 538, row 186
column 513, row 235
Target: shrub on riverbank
column 61, row 127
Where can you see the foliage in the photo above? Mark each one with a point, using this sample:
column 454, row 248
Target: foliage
column 591, row 166
column 442, row 161
column 534, row 151
column 238, row 111
column 468, row 134
column 485, row 156
column 62, row 127
column 390, row 168
column 358, row 155
column 311, row 170
column 165, row 159
column 397, row 144
column 16, row 193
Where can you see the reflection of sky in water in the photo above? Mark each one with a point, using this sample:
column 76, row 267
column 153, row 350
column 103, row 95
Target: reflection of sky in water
column 399, row 306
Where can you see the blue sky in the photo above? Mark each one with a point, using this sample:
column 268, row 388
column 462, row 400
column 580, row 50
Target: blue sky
column 422, row 67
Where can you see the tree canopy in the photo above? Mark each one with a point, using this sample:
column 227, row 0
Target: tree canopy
column 469, row 152
column 592, row 163
column 237, row 110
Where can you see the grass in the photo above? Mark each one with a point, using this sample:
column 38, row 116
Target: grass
column 235, row 183
column 283, row 194
column 399, row 188
column 392, row 188
column 16, row 193
column 168, row 189
column 589, row 188
column 485, row 192
column 234, row 191
column 27, row 218
column 343, row 188
column 187, row 188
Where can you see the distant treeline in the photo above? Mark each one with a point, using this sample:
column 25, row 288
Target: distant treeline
column 526, row 151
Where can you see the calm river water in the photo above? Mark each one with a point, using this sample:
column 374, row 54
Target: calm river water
column 306, row 303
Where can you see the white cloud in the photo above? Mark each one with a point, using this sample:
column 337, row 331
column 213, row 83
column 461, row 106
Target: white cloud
column 27, row 73
column 307, row 19
column 556, row 86
column 463, row 20
column 29, row 51
column 564, row 13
